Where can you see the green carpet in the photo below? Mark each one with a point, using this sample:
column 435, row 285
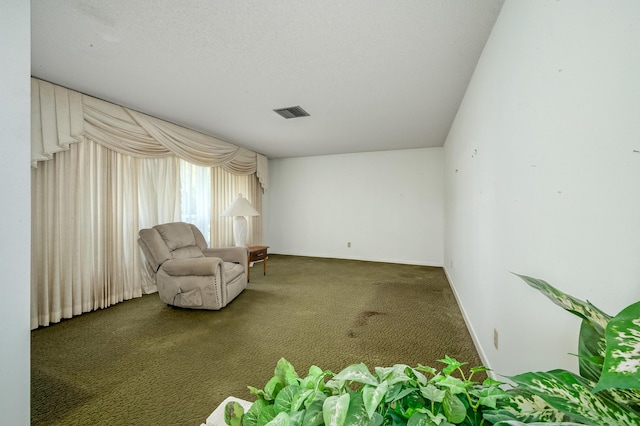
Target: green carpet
column 142, row 362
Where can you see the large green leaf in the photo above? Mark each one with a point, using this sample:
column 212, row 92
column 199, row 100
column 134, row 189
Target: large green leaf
column 421, row 419
column 454, row 384
column 357, row 412
column 489, row 397
column 335, row 409
column 420, row 378
column 622, row 359
column 284, row 370
column 572, row 395
column 273, row 386
column 376, row 420
column 250, row 418
column 373, row 396
column 591, row 350
column 454, row 409
column 315, row 378
column 285, row 398
column 296, row 417
column 233, row 413
column 518, row 423
column 397, row 392
column 281, row 419
column 393, row 375
column 526, row 407
column 452, row 364
column 357, row 373
column 584, row 310
column 432, row 393
column 265, row 415
column 313, row 414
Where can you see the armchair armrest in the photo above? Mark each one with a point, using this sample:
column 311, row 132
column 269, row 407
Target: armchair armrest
column 199, row 266
column 229, row 254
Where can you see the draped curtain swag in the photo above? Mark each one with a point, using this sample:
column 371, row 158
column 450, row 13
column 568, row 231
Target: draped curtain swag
column 61, row 116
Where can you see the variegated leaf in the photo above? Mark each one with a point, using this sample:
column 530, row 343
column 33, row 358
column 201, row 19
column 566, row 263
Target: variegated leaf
column 233, row 413
column 420, row 419
column 525, row 406
column 373, row 396
column 357, row 412
column 432, row 393
column 489, row 397
column 393, row 375
column 572, row 395
column 281, row 419
column 419, row 377
column 622, row 360
column 357, row 373
column 285, row 370
column 454, row 384
column 517, row 423
column 591, row 351
column 583, row 309
column 335, row 408
column 453, row 408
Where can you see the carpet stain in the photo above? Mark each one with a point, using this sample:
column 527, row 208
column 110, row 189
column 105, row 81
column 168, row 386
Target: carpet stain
column 52, row 398
column 361, row 321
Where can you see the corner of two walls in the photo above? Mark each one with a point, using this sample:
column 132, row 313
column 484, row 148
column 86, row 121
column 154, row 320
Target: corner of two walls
column 542, row 178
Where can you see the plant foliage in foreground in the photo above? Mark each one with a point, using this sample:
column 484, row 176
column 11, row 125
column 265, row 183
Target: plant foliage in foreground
column 605, row 393
column 607, row 390
column 398, row 395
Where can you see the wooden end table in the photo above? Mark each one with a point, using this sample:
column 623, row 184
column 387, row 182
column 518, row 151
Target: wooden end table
column 257, row 254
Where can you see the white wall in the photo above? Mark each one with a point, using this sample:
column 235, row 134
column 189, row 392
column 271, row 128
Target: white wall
column 15, row 218
column 542, row 177
column 388, row 204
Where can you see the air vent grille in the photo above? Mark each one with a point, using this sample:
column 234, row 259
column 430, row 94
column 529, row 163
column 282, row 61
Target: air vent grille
column 292, row 112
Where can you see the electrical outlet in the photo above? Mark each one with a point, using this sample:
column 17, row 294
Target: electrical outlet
column 495, row 337
column 349, row 244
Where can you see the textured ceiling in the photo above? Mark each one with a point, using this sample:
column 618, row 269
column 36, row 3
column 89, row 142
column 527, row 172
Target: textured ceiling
column 373, row 74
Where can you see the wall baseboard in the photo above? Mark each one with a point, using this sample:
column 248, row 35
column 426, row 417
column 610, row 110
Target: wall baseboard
column 364, row 259
column 472, row 332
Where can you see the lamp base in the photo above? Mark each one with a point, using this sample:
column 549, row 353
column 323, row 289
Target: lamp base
column 240, row 231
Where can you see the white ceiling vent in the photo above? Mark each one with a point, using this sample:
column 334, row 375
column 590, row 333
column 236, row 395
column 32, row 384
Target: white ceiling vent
column 292, row 112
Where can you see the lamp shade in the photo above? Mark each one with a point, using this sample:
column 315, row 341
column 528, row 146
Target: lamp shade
column 240, row 207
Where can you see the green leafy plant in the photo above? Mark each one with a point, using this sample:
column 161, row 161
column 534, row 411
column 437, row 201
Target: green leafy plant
column 607, row 390
column 398, row 395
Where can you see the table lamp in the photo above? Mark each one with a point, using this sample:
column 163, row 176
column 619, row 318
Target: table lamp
column 240, row 208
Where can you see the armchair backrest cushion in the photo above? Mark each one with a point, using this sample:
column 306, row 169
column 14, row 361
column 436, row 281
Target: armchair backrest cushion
column 177, row 240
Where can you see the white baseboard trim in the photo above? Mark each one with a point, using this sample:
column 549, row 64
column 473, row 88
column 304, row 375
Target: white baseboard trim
column 364, row 259
column 472, row 332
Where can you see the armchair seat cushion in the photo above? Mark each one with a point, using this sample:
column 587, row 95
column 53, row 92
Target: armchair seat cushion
column 198, row 266
column 232, row 271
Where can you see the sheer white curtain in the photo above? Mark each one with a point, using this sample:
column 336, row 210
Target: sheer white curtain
column 196, row 196
column 88, row 205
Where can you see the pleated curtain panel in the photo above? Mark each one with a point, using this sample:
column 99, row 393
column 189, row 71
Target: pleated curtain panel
column 101, row 172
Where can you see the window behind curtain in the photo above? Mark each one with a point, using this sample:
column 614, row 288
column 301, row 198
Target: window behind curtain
column 206, row 192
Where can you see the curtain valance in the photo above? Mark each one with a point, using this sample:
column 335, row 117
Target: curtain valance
column 60, row 116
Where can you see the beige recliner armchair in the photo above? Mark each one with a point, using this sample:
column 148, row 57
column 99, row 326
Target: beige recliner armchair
column 187, row 272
